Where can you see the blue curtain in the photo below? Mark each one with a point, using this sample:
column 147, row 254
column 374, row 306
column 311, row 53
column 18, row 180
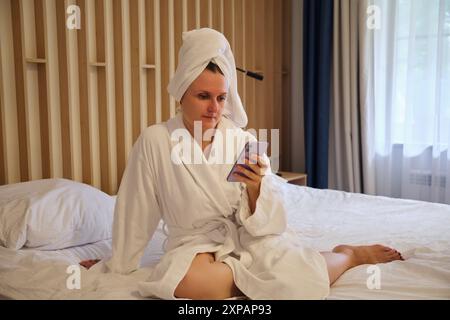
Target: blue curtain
column 317, row 57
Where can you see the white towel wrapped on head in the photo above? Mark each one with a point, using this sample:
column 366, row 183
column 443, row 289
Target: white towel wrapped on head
column 200, row 47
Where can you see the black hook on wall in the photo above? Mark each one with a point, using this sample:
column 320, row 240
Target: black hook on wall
column 251, row 74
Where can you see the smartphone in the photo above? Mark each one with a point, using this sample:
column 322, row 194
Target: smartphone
column 253, row 147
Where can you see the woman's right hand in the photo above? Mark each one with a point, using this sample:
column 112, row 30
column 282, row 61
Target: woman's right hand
column 89, row 263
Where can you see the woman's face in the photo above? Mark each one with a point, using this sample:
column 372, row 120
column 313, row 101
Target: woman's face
column 204, row 100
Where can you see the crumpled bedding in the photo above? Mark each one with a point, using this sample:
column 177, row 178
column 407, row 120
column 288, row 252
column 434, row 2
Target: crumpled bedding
column 320, row 219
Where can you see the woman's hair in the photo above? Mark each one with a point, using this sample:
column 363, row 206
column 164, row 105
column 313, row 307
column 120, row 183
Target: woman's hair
column 213, row 68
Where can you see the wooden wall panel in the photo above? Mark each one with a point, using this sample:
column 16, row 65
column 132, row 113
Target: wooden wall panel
column 19, row 57
column 249, row 56
column 178, row 28
column 216, row 9
column 41, row 44
column 135, row 68
column 8, row 108
column 119, row 86
column 286, row 115
column 164, row 49
column 2, row 120
column 63, row 90
column 191, row 14
column 83, row 89
column 149, row 61
column 204, row 13
column 73, row 102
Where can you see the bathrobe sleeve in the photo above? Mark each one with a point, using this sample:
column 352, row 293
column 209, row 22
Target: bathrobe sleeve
column 137, row 213
column 270, row 212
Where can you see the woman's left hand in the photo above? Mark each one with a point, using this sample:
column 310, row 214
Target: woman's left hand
column 252, row 179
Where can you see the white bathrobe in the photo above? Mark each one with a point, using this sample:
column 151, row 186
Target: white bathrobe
column 205, row 213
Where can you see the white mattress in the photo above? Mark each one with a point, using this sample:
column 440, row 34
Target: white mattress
column 321, row 218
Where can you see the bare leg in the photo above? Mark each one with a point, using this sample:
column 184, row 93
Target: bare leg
column 345, row 257
column 207, row 279
column 197, row 282
column 88, row 263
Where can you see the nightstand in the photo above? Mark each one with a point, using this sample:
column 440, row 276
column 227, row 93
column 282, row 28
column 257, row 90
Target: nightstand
column 299, row 179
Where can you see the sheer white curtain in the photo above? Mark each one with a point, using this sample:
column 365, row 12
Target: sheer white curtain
column 406, row 119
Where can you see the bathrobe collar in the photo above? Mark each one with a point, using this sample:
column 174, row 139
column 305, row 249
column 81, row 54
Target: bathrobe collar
column 209, row 177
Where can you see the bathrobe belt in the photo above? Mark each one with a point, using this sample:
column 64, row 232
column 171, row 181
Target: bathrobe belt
column 219, row 230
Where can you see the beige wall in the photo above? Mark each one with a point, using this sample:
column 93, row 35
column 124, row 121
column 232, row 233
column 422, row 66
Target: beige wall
column 73, row 102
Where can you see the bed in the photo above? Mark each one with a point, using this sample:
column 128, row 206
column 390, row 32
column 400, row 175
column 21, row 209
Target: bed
column 36, row 268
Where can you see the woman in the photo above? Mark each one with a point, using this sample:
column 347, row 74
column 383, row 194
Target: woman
column 224, row 239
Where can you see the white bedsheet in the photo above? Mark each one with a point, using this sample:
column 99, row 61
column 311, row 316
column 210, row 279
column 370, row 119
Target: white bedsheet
column 322, row 219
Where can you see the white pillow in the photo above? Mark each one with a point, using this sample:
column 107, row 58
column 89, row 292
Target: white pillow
column 53, row 214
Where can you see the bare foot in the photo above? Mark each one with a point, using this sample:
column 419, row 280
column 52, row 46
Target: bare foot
column 88, row 263
column 369, row 254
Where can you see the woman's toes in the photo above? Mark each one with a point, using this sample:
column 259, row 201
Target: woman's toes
column 399, row 254
column 395, row 256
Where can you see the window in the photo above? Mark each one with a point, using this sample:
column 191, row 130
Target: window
column 420, row 108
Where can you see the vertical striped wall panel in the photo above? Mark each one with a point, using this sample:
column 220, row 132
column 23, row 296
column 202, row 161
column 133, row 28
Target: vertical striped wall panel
column 72, row 102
